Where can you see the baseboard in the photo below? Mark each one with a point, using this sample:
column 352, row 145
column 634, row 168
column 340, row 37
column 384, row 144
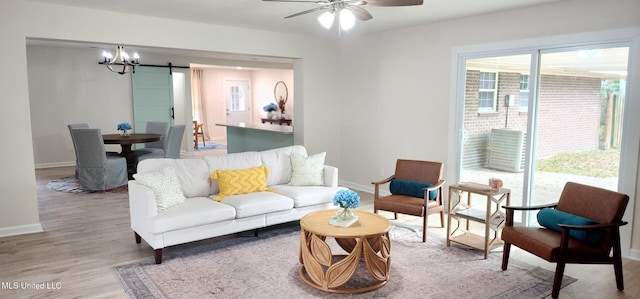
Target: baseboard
column 363, row 188
column 634, row 254
column 56, row 164
column 21, row 230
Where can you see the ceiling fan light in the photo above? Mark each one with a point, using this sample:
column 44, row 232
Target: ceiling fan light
column 326, row 19
column 347, row 19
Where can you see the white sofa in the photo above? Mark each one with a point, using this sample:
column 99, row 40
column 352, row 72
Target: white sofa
column 200, row 217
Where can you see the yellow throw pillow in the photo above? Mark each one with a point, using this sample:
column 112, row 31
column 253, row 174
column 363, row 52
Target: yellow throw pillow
column 241, row 181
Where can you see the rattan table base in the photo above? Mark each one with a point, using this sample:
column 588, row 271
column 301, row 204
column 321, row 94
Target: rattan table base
column 365, row 242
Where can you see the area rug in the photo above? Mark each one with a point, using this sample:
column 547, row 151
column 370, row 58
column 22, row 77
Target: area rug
column 267, row 267
column 210, row 146
column 72, row 185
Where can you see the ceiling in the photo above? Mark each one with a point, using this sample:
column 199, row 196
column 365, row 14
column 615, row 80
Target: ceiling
column 262, row 15
column 257, row 14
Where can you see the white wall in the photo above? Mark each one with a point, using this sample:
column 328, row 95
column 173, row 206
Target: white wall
column 396, row 86
column 19, row 213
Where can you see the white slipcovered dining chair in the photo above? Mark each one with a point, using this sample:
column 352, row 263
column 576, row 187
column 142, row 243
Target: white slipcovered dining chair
column 156, row 127
column 171, row 148
column 73, row 140
column 95, row 169
column 156, row 147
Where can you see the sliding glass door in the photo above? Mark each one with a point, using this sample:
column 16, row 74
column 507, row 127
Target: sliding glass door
column 537, row 120
column 495, row 118
column 579, row 120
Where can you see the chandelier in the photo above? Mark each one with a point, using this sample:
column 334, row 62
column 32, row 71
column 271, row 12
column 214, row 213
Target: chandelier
column 120, row 63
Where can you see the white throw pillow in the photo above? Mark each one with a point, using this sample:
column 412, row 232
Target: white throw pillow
column 165, row 185
column 307, row 171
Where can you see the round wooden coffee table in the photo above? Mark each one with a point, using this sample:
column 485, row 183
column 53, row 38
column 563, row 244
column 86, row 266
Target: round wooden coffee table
column 367, row 240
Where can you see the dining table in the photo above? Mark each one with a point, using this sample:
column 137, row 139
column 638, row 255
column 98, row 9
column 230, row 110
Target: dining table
column 126, row 142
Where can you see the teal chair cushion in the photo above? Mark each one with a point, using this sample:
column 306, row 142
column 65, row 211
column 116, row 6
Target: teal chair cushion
column 411, row 188
column 550, row 218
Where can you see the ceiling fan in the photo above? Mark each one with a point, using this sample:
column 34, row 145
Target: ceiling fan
column 348, row 10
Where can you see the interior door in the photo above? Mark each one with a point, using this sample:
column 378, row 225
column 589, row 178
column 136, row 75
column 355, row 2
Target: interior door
column 152, row 96
column 237, row 100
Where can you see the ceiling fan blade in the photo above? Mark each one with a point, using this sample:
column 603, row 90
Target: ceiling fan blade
column 301, row 1
column 393, row 2
column 360, row 13
column 308, row 11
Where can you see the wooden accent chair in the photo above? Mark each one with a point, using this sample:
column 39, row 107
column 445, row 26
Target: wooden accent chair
column 431, row 200
column 198, row 130
column 604, row 207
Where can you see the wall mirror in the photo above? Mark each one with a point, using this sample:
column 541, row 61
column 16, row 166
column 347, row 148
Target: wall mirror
column 281, row 94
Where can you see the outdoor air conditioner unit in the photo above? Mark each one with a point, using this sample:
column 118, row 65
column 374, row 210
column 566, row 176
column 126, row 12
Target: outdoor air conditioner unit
column 506, row 150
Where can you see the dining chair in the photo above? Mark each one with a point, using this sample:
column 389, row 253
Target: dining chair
column 198, row 130
column 416, row 189
column 157, row 147
column 156, row 127
column 97, row 170
column 171, row 149
column 73, row 140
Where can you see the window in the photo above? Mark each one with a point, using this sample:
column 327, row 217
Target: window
column 237, row 99
column 524, row 93
column 487, row 92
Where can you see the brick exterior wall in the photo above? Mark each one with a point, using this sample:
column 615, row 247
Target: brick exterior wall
column 569, row 115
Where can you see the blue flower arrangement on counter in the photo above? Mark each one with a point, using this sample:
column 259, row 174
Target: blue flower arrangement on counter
column 270, row 107
column 346, row 199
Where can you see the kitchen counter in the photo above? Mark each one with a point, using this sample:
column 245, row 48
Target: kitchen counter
column 244, row 137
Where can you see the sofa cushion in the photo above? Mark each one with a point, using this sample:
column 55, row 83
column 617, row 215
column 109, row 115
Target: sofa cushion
column 240, row 181
column 164, row 184
column 307, row 171
column 258, row 203
column 308, row 195
column 193, row 212
column 231, row 161
column 193, row 174
column 278, row 162
column 411, row 188
column 550, row 218
column 194, row 177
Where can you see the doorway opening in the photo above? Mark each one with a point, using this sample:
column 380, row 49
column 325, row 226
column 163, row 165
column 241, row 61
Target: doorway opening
column 229, row 95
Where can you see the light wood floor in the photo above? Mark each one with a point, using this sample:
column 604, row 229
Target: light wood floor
column 87, row 234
